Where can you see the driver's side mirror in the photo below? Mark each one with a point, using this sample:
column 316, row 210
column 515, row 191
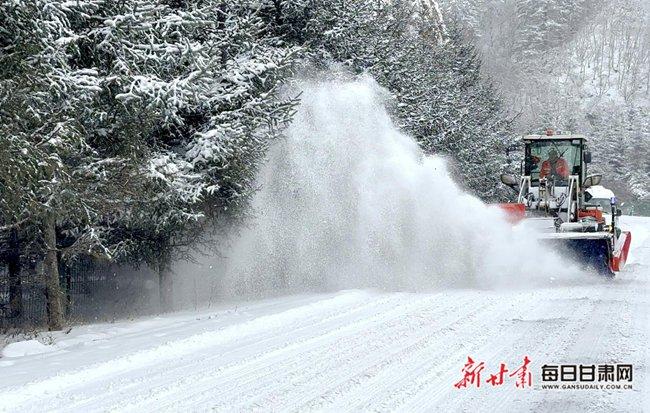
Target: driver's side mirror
column 509, row 180
column 592, row 180
column 587, row 157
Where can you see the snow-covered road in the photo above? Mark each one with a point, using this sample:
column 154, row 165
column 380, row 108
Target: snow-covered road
column 351, row 351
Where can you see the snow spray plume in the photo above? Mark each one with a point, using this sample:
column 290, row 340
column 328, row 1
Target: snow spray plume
column 349, row 201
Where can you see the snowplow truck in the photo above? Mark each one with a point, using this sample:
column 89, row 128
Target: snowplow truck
column 553, row 202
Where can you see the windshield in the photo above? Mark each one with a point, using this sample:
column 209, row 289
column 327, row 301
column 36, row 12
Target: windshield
column 552, row 160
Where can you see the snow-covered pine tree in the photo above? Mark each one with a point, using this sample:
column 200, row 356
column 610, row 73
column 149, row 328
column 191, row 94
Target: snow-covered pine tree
column 621, row 146
column 52, row 178
column 193, row 85
column 129, row 126
column 546, row 24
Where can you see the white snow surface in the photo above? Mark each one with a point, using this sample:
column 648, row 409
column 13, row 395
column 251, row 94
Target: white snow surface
column 25, row 348
column 354, row 350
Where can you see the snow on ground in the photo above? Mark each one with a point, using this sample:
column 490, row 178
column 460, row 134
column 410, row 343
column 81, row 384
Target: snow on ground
column 26, row 348
column 349, row 351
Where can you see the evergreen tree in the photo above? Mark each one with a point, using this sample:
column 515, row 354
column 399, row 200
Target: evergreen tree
column 52, row 177
column 127, row 126
column 198, row 89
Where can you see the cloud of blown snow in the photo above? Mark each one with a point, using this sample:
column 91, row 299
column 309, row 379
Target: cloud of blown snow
column 349, row 201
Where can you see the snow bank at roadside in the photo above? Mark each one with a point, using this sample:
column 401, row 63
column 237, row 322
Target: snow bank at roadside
column 26, row 348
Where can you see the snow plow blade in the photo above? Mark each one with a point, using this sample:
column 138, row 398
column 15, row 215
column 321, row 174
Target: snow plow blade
column 596, row 251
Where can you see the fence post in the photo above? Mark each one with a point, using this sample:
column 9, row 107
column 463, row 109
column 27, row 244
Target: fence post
column 65, row 282
column 15, row 287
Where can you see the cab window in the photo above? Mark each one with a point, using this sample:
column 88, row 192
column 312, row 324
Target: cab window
column 537, row 152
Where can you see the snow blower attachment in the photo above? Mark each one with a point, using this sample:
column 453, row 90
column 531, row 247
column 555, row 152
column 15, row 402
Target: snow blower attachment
column 554, row 202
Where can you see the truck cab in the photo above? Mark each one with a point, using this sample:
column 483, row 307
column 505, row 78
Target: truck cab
column 553, row 175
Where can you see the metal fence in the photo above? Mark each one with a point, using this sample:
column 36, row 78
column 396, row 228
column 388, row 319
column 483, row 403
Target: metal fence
column 32, row 303
column 92, row 292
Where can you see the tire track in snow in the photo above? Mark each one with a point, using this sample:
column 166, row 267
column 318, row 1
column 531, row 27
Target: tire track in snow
column 72, row 353
column 166, row 377
column 391, row 386
column 530, row 335
column 34, row 391
column 351, row 359
column 255, row 370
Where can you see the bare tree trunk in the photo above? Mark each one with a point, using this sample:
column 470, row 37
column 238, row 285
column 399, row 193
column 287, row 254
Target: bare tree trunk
column 15, row 287
column 165, row 283
column 51, row 272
